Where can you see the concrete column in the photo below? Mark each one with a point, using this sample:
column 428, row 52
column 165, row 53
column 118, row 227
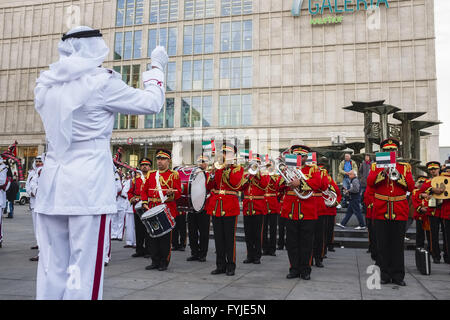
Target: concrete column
column 177, row 153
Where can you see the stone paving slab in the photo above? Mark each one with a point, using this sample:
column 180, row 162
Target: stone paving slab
column 343, row 278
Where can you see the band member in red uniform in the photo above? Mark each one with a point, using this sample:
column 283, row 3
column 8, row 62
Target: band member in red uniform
column 434, row 211
column 198, row 223
column 420, row 209
column 223, row 206
column 162, row 186
column 445, row 212
column 254, row 208
column 368, row 201
column 271, row 218
column 329, row 214
column 301, row 216
column 134, row 196
column 391, row 210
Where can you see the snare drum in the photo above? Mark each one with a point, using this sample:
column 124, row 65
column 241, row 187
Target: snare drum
column 193, row 183
column 158, row 221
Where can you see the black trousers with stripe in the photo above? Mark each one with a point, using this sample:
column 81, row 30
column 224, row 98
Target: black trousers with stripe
column 142, row 236
column 253, row 226
column 420, row 236
column 372, row 240
column 179, row 232
column 436, row 225
column 299, row 244
column 270, row 232
column 225, row 241
column 281, row 231
column 390, row 237
column 160, row 249
column 198, row 227
column 319, row 239
column 329, row 232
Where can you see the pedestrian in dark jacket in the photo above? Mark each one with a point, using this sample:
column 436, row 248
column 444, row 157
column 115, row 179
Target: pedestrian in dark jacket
column 11, row 196
column 355, row 201
column 364, row 170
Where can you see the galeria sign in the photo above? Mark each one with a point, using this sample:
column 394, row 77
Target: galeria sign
column 331, row 6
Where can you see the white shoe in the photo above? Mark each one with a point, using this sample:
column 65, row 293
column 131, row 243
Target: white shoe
column 340, row 225
column 360, row 228
column 407, row 239
column 339, row 206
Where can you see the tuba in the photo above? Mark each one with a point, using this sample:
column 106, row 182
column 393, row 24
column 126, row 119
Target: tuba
column 289, row 174
column 330, row 197
column 394, row 175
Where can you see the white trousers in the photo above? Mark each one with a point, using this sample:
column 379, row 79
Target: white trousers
column 108, row 238
column 71, row 253
column 33, row 216
column 117, row 225
column 129, row 226
column 1, row 224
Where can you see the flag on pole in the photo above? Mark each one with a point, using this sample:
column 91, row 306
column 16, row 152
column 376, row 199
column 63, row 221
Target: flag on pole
column 312, row 158
column 267, row 158
column 208, row 146
column 247, row 154
column 385, row 159
column 293, row 160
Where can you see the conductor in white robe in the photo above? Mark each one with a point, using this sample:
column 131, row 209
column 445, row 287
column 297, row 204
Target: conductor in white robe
column 77, row 99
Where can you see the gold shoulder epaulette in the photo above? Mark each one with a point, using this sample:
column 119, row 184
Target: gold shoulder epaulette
column 374, row 166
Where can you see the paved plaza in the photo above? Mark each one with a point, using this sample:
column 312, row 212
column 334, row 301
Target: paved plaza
column 343, row 278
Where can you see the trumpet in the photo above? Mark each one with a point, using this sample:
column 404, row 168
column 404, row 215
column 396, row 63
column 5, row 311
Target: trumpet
column 394, row 174
column 289, row 174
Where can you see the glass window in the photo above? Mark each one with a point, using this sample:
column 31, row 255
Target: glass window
column 247, row 6
column 163, row 10
column 162, row 39
column 171, row 76
column 189, row 9
column 173, row 10
column 225, row 73
column 247, row 73
column 120, row 13
column 133, row 121
column 126, row 74
column 148, row 121
column 235, row 106
column 208, row 81
column 136, row 76
column 170, row 110
column 187, row 40
column 128, row 45
column 235, row 72
column 198, row 39
column 137, row 44
column 223, row 110
column 225, row 36
column 197, row 75
column 154, row 8
column 116, row 118
column 207, row 111
column 118, row 46
column 152, row 41
column 123, row 121
column 187, row 75
column 236, row 7
column 199, row 9
column 185, row 112
column 159, row 119
column 172, row 42
column 209, row 38
column 236, row 35
column 247, row 36
column 225, row 8
column 116, row 68
column 246, row 109
column 129, row 16
column 196, row 114
column 139, row 17
column 210, row 8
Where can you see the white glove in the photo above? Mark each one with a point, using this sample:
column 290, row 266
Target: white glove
column 159, row 58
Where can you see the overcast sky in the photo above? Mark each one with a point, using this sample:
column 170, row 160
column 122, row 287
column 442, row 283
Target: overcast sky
column 442, row 25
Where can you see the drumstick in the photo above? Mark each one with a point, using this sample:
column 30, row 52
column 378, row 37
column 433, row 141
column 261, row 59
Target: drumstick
column 162, row 189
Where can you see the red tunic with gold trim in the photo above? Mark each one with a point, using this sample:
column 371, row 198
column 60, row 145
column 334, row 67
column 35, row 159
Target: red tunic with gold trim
column 330, row 211
column 368, row 201
column 295, row 208
column 390, row 202
column 168, row 179
column 135, row 189
column 426, row 188
column 254, row 190
column 271, row 195
column 224, row 201
column 445, row 208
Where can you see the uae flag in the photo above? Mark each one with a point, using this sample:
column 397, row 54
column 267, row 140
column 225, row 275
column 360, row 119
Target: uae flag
column 312, row 158
column 247, row 154
column 385, row 159
column 208, row 146
column 293, row 160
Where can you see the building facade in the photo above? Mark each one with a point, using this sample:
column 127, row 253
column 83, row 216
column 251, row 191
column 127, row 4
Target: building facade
column 266, row 72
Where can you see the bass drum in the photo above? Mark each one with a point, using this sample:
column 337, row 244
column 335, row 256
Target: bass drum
column 193, row 184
